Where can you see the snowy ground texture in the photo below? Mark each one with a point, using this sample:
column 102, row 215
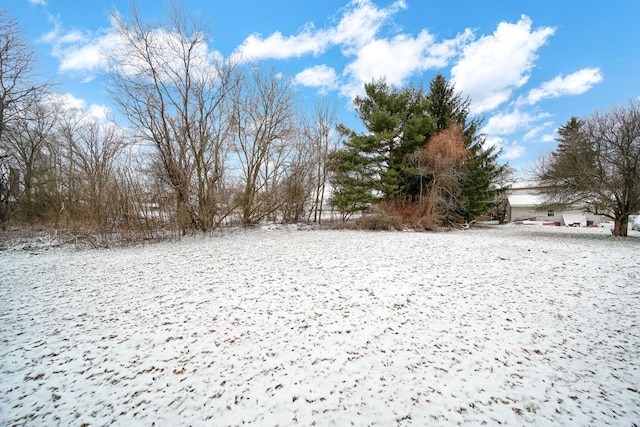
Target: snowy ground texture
column 512, row 325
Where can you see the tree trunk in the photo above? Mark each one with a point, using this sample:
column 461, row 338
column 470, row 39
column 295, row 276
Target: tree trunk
column 621, row 225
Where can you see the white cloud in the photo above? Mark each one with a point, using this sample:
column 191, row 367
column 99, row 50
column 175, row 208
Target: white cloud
column 512, row 151
column 320, row 76
column 492, row 67
column 86, row 57
column 535, row 131
column 573, row 84
column 359, row 24
column 278, row 46
column 550, row 137
column 356, row 34
column 508, row 123
column 77, row 51
column 399, row 58
column 168, row 54
column 70, row 102
column 86, row 53
column 38, row 2
column 492, row 141
column 67, row 100
column 509, row 151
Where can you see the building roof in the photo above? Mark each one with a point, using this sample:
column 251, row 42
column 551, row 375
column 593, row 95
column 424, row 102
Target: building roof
column 525, row 184
column 525, row 200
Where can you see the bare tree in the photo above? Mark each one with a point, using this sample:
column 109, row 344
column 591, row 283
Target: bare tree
column 443, row 156
column 264, row 131
column 597, row 165
column 19, row 91
column 95, row 152
column 69, row 177
column 26, row 142
column 299, row 183
column 321, row 135
column 18, row 86
column 173, row 91
column 5, row 188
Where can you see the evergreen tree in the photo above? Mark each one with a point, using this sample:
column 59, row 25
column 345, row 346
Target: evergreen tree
column 596, row 166
column 353, row 175
column 571, row 139
column 447, row 107
column 387, row 161
column 396, row 127
column 481, row 168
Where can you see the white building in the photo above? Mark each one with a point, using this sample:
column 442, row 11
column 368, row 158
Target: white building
column 525, row 203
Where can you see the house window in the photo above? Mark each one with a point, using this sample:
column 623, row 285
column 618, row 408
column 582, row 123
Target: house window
column 551, row 213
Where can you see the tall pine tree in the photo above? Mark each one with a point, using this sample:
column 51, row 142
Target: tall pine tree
column 481, row 167
column 396, row 127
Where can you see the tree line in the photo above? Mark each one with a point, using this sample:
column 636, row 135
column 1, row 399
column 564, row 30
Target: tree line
column 207, row 141
column 204, row 141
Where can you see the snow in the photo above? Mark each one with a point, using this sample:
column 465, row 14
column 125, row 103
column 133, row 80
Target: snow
column 276, row 326
column 574, row 219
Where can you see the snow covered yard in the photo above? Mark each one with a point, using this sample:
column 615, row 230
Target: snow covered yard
column 514, row 325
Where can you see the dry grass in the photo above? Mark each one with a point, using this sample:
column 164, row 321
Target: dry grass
column 398, row 216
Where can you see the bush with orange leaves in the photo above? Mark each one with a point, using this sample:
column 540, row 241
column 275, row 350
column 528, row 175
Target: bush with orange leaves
column 444, row 155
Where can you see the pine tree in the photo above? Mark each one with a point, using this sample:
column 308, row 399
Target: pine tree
column 596, row 166
column 387, row 161
column 352, row 175
column 395, row 128
column 481, row 168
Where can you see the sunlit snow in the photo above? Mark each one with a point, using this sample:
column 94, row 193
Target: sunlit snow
column 278, row 326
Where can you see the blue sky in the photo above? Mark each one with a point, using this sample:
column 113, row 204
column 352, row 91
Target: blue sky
column 527, row 65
